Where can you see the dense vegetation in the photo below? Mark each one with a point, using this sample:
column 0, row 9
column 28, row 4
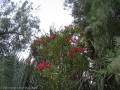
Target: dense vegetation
column 17, row 25
column 17, row 28
column 81, row 56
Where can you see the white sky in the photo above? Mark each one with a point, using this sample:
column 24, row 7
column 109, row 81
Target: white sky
column 51, row 12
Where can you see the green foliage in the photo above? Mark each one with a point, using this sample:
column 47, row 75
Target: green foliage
column 6, row 71
column 15, row 75
column 99, row 20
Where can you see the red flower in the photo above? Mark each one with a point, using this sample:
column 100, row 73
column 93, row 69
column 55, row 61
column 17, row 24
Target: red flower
column 81, row 50
column 38, row 42
column 52, row 36
column 72, row 51
column 42, row 65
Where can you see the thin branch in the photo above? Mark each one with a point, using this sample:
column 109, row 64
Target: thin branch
column 10, row 32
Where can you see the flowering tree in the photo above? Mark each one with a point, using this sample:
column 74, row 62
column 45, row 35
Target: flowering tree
column 61, row 55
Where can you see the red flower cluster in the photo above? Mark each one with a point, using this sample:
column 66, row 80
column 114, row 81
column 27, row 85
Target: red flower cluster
column 42, row 65
column 72, row 51
column 52, row 36
column 38, row 42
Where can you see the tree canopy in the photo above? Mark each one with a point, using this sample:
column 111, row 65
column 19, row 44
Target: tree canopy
column 17, row 26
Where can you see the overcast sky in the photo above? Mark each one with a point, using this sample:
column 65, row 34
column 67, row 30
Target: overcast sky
column 51, row 12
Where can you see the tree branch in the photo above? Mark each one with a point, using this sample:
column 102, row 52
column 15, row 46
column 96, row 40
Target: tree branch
column 9, row 32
